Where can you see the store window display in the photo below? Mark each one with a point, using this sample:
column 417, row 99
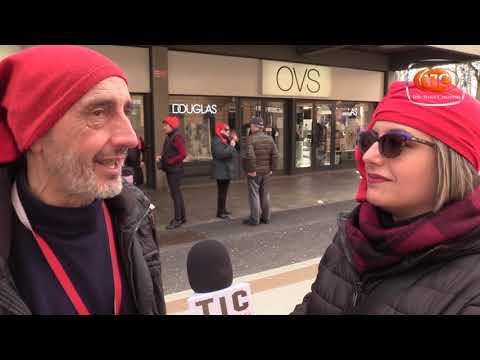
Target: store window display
column 303, row 148
column 350, row 119
column 198, row 116
column 323, row 134
column 274, row 120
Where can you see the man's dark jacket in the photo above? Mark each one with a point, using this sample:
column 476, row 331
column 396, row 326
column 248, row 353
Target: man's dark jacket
column 135, row 234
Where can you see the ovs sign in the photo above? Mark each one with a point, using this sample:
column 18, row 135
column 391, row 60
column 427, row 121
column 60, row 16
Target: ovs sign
column 292, row 79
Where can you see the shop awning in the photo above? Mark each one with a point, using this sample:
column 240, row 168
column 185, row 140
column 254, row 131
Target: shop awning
column 399, row 56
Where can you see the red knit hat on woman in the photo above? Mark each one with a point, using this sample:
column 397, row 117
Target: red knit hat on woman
column 39, row 85
column 457, row 126
column 219, row 126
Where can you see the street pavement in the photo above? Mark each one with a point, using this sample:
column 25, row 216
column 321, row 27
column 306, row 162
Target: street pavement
column 280, row 259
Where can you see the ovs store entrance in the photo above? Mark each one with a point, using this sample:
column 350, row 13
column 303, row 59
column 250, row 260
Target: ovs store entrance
column 325, row 133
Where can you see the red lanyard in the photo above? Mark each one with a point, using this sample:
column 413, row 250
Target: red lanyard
column 65, row 281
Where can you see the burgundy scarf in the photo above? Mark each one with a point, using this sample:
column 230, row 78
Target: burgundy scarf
column 374, row 246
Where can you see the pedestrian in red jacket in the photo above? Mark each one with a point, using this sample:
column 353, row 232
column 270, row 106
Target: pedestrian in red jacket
column 171, row 161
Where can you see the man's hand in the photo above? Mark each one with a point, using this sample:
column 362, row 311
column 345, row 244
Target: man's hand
column 270, row 173
column 158, row 158
column 252, row 173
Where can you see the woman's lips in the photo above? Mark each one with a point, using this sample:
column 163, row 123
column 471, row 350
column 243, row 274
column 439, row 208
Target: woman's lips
column 376, row 179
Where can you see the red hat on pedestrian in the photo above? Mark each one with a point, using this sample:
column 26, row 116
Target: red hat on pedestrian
column 173, row 121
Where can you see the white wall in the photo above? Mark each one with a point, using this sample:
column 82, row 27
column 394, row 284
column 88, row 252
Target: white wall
column 358, row 85
column 135, row 61
column 202, row 74
column 6, row 50
column 205, row 74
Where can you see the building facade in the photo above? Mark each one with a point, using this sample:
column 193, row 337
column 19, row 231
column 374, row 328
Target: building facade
column 314, row 99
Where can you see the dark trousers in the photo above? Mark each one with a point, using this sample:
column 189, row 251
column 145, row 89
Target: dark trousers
column 259, row 198
column 138, row 176
column 222, row 186
column 174, row 180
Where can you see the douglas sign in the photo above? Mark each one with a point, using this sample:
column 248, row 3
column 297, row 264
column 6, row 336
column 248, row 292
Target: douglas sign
column 193, row 109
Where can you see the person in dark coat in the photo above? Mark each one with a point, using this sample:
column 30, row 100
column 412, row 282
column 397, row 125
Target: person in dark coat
column 171, row 162
column 132, row 170
column 74, row 238
column 412, row 245
column 260, row 158
column 224, row 155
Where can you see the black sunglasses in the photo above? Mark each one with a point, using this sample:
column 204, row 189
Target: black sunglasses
column 390, row 144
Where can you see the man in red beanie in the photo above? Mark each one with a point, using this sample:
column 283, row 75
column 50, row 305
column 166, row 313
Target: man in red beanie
column 171, row 161
column 73, row 238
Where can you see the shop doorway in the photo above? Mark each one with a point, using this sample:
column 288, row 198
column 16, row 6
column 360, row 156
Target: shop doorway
column 142, row 123
column 314, row 135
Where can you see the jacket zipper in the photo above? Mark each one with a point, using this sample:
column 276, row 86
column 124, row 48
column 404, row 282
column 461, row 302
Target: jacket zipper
column 129, row 254
column 357, row 291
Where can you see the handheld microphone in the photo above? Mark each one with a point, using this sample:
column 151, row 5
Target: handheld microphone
column 210, row 276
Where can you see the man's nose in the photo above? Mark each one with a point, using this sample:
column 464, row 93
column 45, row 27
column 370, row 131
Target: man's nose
column 124, row 133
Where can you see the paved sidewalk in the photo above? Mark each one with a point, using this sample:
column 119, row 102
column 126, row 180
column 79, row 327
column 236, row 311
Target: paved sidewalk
column 292, row 237
column 279, row 260
column 287, row 192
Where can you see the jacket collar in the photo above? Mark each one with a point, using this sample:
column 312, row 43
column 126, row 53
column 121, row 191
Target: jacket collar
column 174, row 132
column 128, row 208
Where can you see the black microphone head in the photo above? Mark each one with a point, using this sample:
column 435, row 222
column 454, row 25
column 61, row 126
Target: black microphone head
column 209, row 267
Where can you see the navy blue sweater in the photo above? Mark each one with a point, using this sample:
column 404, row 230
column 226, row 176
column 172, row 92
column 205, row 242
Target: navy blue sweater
column 79, row 239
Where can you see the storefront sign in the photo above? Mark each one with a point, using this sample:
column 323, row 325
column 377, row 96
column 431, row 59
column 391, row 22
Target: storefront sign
column 273, row 109
column 292, row 79
column 193, row 109
column 352, row 113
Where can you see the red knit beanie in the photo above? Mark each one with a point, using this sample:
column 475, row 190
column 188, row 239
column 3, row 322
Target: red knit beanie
column 173, row 121
column 219, row 126
column 457, row 126
column 38, row 86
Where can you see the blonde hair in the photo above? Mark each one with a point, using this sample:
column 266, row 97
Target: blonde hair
column 456, row 177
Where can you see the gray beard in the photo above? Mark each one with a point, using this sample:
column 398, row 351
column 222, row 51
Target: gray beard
column 78, row 178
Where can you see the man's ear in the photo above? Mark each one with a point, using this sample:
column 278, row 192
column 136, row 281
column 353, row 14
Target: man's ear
column 38, row 146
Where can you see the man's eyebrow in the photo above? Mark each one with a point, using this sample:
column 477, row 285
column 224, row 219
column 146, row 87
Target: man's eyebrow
column 105, row 103
column 99, row 103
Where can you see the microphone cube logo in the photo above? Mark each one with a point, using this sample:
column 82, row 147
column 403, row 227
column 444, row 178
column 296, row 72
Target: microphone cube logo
column 234, row 300
column 433, row 82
